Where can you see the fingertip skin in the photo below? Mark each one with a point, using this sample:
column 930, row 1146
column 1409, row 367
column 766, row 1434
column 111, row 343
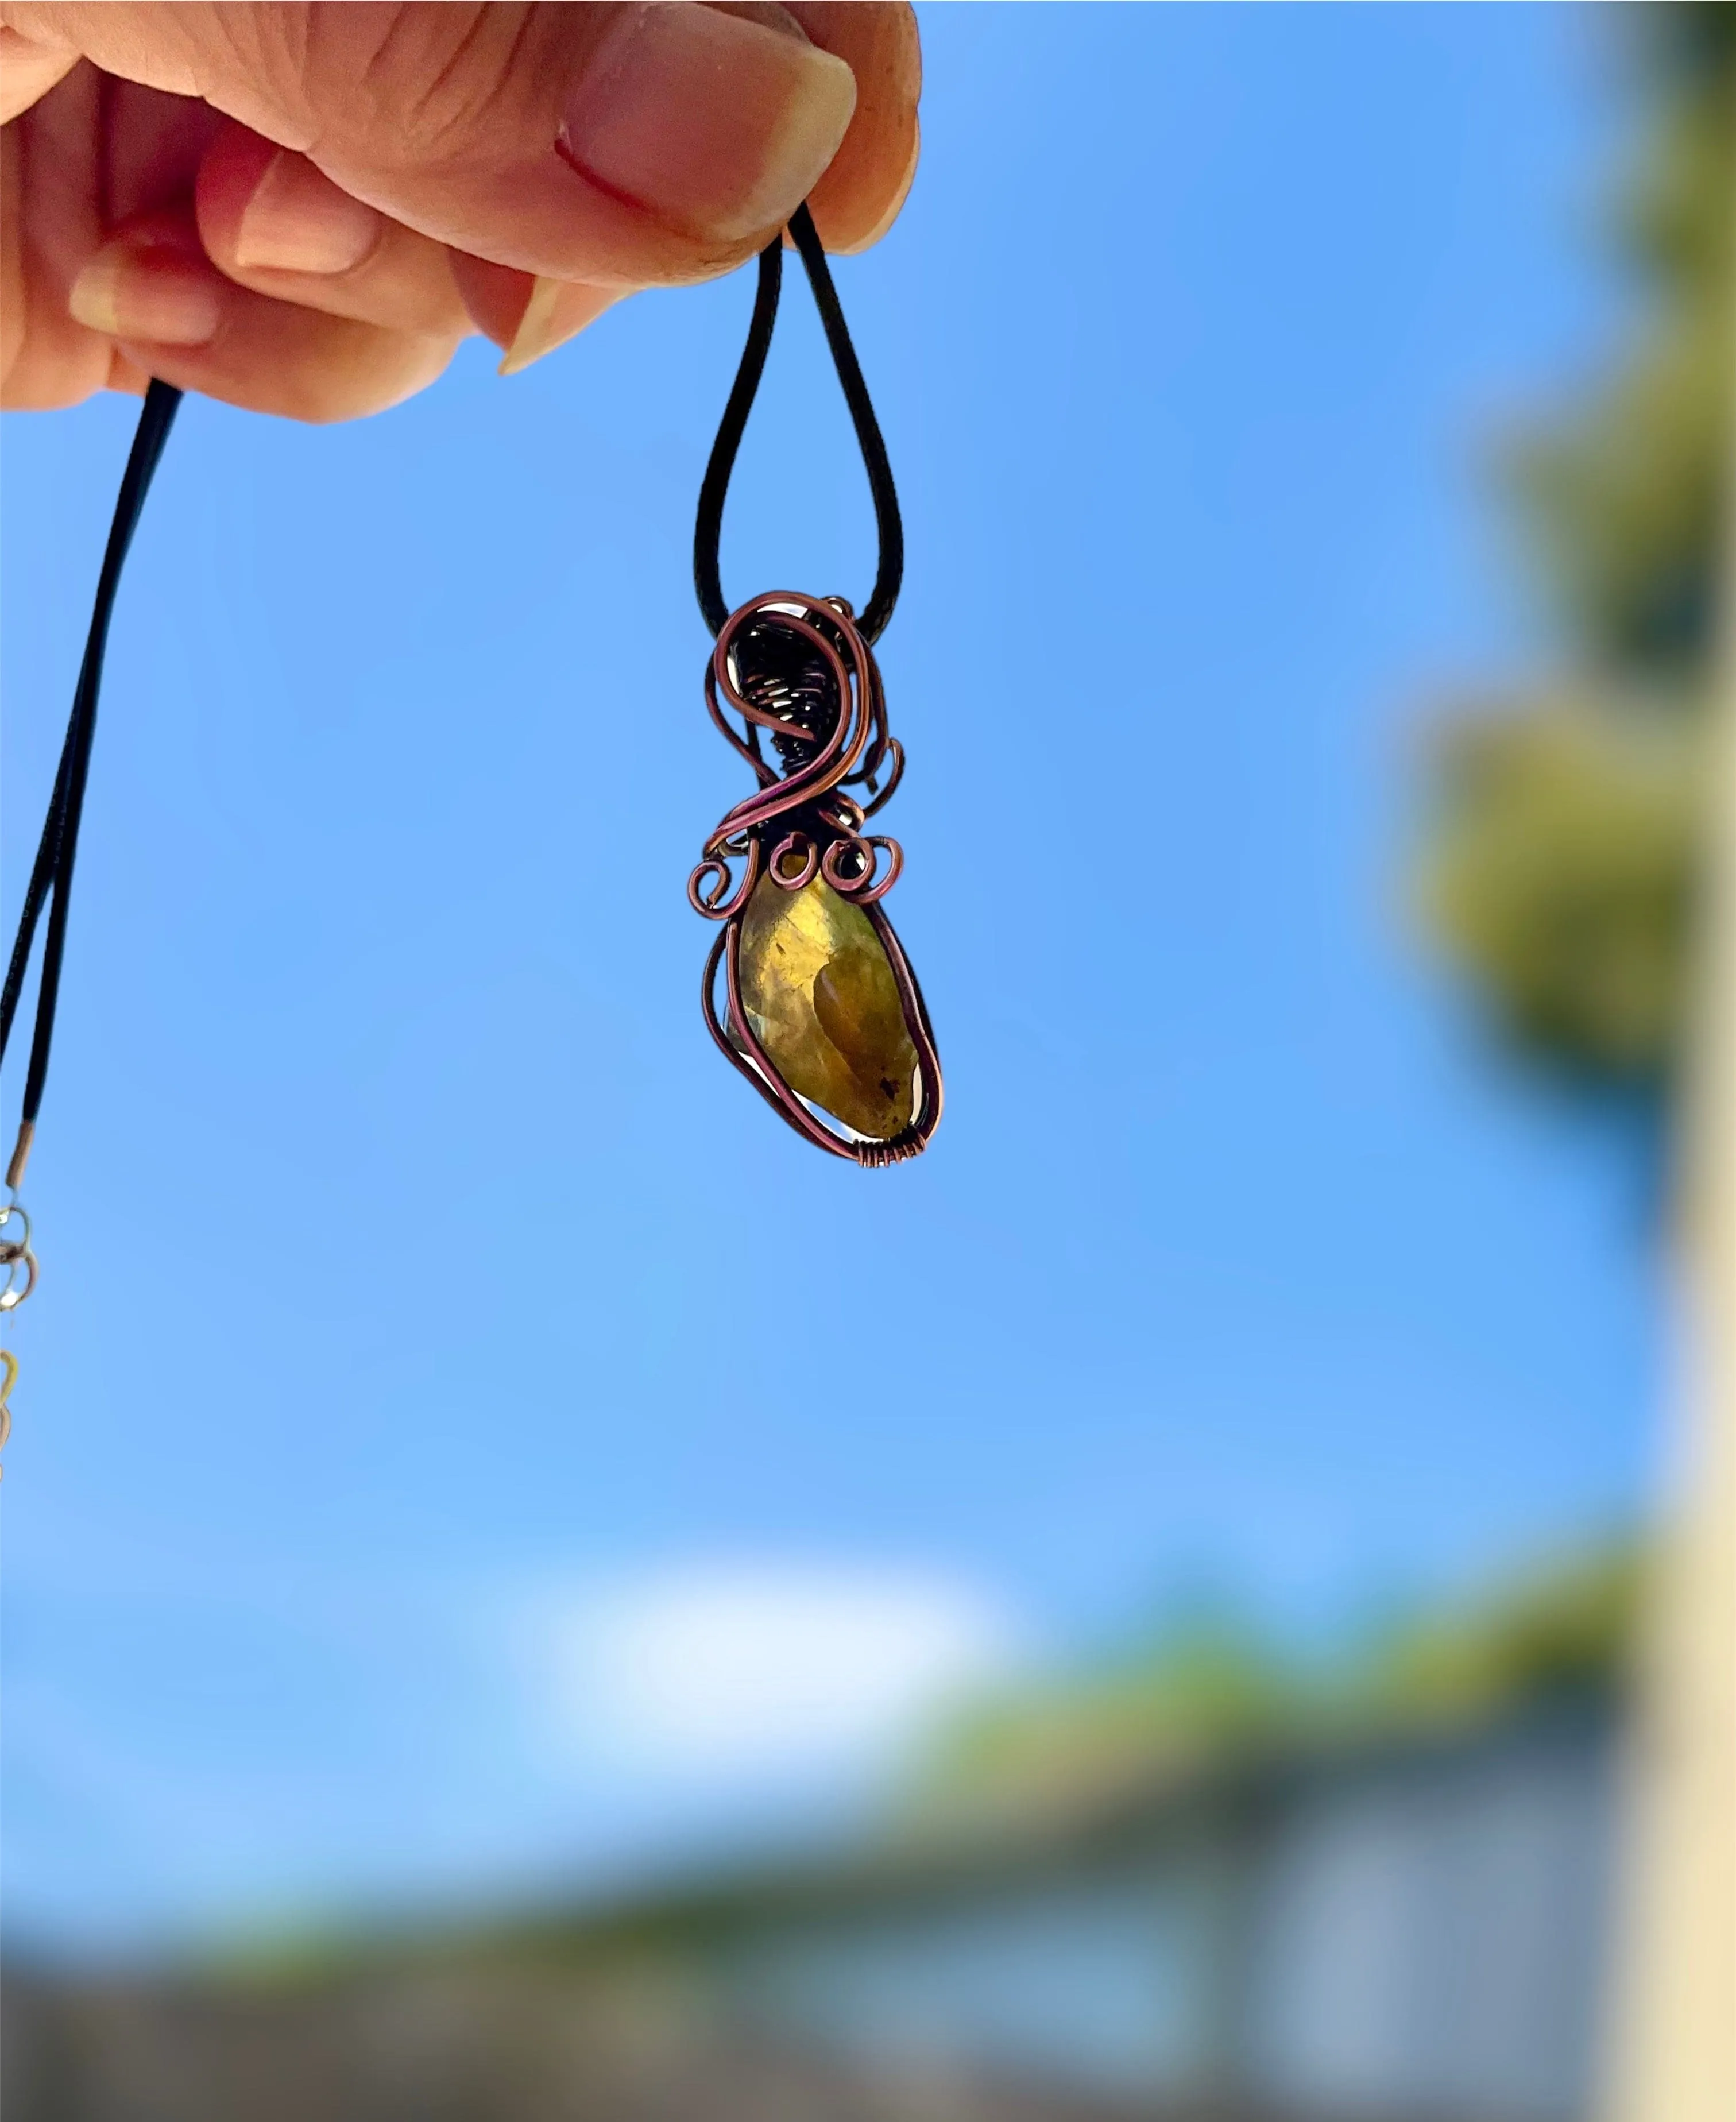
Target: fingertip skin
column 262, row 354
column 299, row 364
column 53, row 223
column 233, row 167
column 273, row 221
column 13, row 302
column 868, row 237
column 28, row 72
column 859, row 196
column 495, row 296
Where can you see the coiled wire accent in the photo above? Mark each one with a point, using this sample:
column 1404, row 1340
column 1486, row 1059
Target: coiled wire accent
column 797, row 672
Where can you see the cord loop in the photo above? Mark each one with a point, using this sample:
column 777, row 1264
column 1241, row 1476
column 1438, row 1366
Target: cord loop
column 707, row 582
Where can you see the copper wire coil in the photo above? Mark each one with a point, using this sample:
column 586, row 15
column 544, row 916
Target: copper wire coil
column 799, row 844
column 797, row 669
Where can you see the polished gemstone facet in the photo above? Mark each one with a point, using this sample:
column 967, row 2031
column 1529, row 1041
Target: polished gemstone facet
column 822, row 1000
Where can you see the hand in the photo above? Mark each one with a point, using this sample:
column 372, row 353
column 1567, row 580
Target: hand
column 303, row 208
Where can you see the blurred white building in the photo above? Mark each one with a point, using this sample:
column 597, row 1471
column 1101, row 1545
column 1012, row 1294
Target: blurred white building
column 1405, row 1928
column 1414, row 1931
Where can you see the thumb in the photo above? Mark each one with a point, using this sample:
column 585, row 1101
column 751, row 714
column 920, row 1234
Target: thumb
column 619, row 145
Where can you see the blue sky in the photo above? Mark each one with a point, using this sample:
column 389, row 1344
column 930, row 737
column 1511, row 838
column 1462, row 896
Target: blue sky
column 419, row 1414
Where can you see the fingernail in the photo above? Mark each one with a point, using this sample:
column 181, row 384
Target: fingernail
column 558, row 311
column 159, row 297
column 298, row 220
column 717, row 125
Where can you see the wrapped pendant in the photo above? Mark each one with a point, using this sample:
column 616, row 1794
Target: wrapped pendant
column 807, row 990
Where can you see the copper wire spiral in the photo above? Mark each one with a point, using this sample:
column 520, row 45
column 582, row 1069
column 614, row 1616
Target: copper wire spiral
column 796, row 668
column 804, row 682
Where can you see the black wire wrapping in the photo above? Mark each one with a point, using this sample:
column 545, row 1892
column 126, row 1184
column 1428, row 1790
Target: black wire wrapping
column 708, row 527
column 51, row 875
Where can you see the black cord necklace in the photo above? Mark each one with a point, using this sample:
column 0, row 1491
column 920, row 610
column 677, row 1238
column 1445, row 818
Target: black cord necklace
column 51, row 874
column 807, row 990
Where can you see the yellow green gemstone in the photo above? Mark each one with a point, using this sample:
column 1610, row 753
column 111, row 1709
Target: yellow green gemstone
column 822, row 999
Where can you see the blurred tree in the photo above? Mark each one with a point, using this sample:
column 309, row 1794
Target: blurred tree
column 1560, row 867
column 1206, row 1684
column 1210, row 1686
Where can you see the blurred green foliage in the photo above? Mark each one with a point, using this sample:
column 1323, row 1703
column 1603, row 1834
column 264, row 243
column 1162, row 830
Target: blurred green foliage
column 1558, row 1630
column 1212, row 1688
column 1559, row 864
column 1207, row 1687
column 1563, row 874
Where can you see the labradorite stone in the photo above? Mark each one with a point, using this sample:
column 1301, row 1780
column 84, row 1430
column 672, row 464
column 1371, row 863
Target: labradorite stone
column 820, row 996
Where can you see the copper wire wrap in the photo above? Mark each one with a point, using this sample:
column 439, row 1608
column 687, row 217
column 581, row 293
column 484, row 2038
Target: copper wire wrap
column 797, row 672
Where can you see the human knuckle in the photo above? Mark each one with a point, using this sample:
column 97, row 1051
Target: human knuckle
column 425, row 84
